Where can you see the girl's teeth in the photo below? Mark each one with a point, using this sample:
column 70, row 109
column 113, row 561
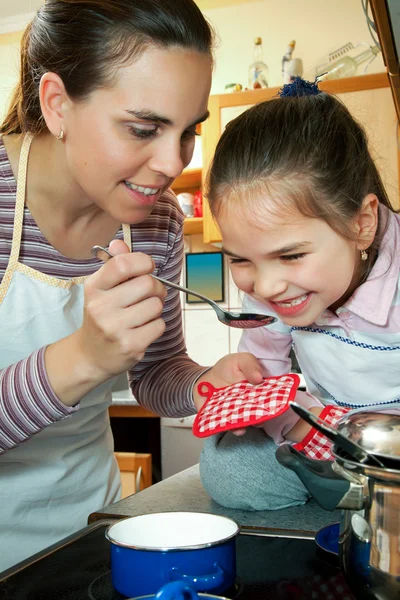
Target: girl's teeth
column 146, row 191
column 293, row 302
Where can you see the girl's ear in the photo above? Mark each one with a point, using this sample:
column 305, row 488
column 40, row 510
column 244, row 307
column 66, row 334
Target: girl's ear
column 53, row 98
column 366, row 222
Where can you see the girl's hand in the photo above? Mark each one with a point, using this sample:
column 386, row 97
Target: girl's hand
column 228, row 370
column 122, row 313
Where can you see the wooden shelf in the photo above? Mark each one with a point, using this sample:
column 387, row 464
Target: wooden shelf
column 190, row 179
column 193, row 225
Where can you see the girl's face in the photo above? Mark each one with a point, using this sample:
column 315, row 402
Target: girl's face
column 126, row 144
column 298, row 265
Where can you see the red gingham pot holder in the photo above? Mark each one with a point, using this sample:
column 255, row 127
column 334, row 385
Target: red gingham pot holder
column 316, row 445
column 243, row 404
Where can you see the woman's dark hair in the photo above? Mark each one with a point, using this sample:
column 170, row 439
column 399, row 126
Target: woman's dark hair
column 86, row 41
column 307, row 152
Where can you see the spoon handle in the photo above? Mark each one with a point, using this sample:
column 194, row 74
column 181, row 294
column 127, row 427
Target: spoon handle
column 104, row 255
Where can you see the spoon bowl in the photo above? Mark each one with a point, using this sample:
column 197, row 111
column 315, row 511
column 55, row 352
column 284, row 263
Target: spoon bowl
column 238, row 320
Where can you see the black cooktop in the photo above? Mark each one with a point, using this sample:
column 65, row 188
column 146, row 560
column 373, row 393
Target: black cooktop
column 268, row 568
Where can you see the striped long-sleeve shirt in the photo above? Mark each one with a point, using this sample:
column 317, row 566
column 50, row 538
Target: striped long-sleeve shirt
column 162, row 381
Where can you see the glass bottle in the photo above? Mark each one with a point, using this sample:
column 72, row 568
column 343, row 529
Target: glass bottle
column 346, row 66
column 258, row 70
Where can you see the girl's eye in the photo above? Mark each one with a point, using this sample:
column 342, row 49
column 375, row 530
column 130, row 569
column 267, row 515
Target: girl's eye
column 289, row 257
column 143, row 133
column 237, row 261
column 189, row 134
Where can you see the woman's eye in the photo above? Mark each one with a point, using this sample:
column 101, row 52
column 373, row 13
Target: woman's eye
column 289, row 257
column 143, row 132
column 189, row 134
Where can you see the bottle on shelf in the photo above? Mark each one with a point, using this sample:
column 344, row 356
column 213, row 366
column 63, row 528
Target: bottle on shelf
column 346, row 66
column 258, row 70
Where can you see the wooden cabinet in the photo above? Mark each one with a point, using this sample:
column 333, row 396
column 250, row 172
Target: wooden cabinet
column 190, row 181
column 135, row 472
column 369, row 99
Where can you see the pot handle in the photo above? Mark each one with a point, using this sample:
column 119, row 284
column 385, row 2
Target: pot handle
column 176, row 590
column 200, row 582
column 326, row 486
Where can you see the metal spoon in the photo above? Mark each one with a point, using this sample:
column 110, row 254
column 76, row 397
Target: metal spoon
column 238, row 320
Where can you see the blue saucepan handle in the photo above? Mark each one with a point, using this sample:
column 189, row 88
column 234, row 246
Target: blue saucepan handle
column 204, row 583
column 176, row 590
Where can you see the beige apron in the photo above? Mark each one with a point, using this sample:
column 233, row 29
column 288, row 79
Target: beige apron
column 52, row 482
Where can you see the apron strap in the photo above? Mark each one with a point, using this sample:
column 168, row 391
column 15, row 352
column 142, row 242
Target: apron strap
column 18, row 216
column 20, row 199
column 126, row 229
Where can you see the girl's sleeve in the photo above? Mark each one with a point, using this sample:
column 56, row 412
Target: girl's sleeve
column 27, row 401
column 163, row 380
column 271, row 346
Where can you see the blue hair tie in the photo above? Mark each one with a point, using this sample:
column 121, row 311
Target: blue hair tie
column 299, row 87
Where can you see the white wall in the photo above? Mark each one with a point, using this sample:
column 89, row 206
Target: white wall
column 318, row 26
column 9, row 66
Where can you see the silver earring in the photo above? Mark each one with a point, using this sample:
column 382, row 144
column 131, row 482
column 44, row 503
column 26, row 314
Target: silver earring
column 364, row 255
column 61, row 134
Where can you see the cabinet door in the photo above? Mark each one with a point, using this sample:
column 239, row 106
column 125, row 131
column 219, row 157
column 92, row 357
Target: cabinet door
column 375, row 111
column 368, row 98
column 212, row 134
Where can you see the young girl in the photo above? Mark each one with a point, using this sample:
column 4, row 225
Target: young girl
column 101, row 123
column 312, row 239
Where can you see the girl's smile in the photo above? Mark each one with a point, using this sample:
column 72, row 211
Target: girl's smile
column 291, row 307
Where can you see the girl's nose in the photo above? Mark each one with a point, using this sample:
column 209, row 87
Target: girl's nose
column 267, row 286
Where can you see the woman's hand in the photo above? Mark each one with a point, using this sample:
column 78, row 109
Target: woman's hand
column 228, row 370
column 122, row 317
column 122, row 312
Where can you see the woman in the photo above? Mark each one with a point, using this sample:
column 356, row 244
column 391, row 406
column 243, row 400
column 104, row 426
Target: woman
column 101, row 123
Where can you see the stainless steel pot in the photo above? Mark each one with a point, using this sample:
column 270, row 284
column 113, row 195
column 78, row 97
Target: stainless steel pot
column 369, row 541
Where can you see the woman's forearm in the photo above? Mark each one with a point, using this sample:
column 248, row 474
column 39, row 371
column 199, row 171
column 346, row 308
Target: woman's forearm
column 71, row 375
column 27, row 401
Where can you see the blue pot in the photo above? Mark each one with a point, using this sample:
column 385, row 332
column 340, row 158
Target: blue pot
column 149, row 551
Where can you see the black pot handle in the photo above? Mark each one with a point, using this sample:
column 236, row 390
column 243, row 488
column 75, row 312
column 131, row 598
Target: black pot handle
column 326, row 486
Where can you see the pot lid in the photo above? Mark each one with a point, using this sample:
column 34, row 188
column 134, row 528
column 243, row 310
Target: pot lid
column 377, row 433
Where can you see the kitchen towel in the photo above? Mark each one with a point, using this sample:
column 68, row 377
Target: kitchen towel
column 243, row 404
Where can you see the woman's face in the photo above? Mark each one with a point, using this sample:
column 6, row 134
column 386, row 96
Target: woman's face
column 126, row 144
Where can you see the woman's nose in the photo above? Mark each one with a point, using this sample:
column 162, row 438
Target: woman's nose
column 168, row 160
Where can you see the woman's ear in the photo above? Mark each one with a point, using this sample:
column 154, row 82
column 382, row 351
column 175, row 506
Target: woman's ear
column 53, row 98
column 366, row 223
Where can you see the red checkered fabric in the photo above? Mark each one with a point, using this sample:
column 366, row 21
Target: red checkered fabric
column 243, row 404
column 316, row 445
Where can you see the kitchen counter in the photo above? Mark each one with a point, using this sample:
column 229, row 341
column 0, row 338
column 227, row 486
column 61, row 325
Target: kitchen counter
column 184, row 492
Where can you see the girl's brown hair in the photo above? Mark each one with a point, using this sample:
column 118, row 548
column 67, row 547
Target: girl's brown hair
column 86, row 41
column 307, row 152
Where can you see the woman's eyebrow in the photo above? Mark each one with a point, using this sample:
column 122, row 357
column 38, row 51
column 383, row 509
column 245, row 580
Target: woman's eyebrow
column 149, row 115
